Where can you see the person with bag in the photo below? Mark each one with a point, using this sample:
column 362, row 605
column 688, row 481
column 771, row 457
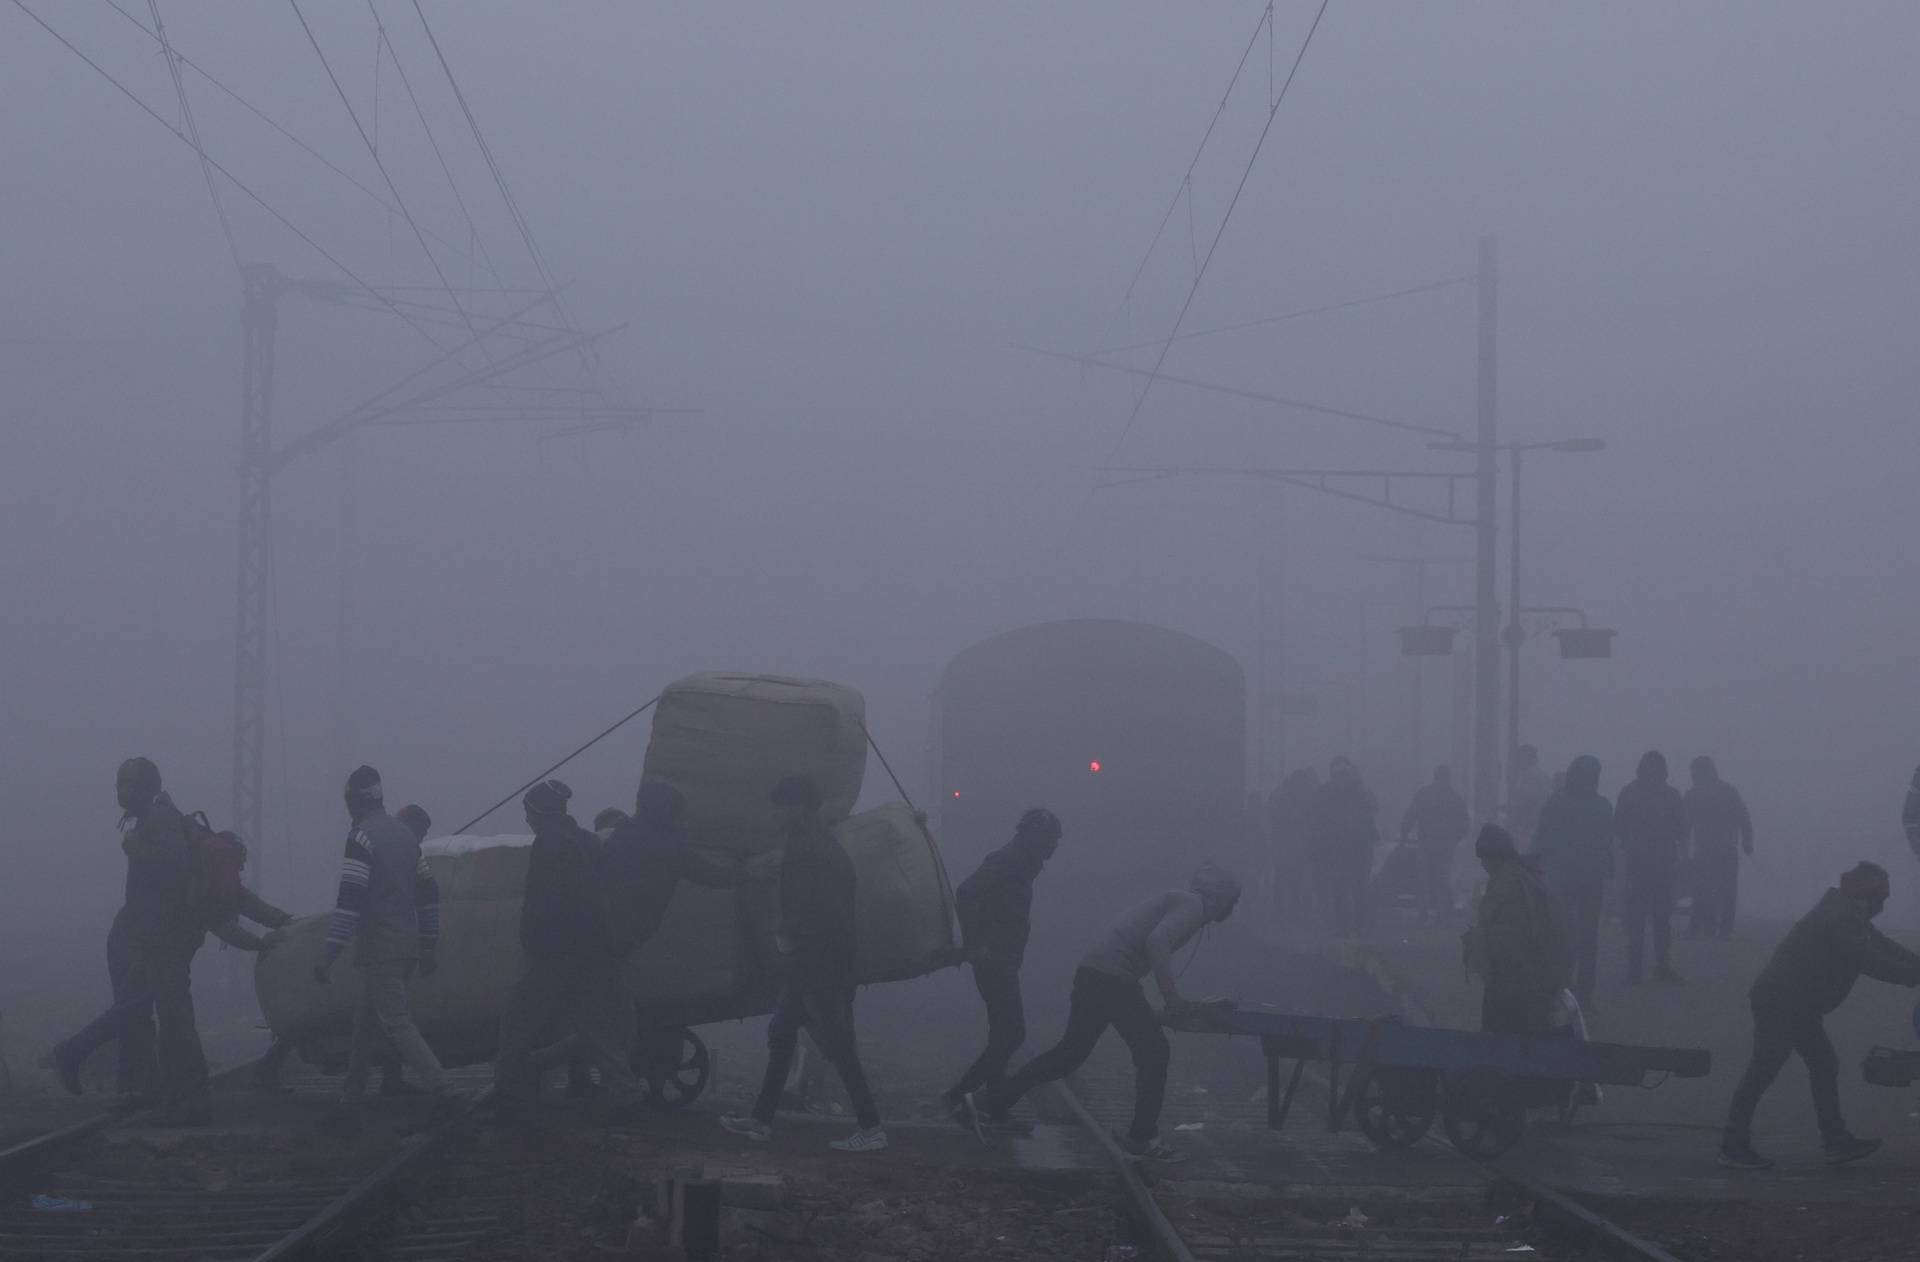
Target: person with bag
column 183, row 880
column 818, row 931
column 1519, row 946
column 388, row 908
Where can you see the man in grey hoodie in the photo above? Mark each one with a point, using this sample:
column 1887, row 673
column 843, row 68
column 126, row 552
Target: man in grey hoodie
column 1107, row 992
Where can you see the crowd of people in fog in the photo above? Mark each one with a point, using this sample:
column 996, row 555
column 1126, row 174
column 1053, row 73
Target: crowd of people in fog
column 1561, row 857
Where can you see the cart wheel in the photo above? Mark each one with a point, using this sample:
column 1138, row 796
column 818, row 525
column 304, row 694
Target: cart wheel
column 674, row 1066
column 1395, row 1107
column 1481, row 1114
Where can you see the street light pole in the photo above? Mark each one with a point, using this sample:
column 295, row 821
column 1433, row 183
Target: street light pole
column 1486, row 631
column 1515, row 633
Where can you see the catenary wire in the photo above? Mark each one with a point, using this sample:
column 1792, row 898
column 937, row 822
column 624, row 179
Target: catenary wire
column 393, row 189
column 1274, row 112
column 1290, row 315
column 1266, row 19
column 193, row 129
column 235, row 180
column 298, row 143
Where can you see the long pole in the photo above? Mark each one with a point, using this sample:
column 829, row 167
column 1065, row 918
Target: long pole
column 1486, row 629
column 1514, row 630
column 263, row 287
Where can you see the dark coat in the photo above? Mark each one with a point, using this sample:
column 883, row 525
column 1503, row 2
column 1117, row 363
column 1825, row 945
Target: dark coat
column 1343, row 814
column 161, row 910
column 1437, row 816
column 563, row 909
column 817, row 909
column 1718, row 819
column 1650, row 819
column 995, row 904
column 1521, row 943
column 1574, row 839
column 1827, row 950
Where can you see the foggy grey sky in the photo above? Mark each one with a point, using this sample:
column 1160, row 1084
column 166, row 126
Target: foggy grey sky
column 825, row 224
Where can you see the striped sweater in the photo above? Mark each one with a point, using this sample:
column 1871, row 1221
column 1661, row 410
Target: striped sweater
column 389, row 902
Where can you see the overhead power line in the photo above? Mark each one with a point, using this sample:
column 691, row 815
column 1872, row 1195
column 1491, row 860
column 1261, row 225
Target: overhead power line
column 235, row 180
column 1290, row 315
column 1185, row 186
column 220, row 85
column 453, row 185
column 499, row 177
column 1304, row 405
column 381, row 166
column 193, row 128
column 1273, row 112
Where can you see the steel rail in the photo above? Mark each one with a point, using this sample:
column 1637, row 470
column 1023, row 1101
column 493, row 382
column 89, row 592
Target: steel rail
column 1145, row 1210
column 361, row 1203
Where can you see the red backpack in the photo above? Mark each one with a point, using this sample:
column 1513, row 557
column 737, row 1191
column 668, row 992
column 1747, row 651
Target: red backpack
column 218, row 860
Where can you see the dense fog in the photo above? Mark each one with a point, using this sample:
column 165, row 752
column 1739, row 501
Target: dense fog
column 827, row 231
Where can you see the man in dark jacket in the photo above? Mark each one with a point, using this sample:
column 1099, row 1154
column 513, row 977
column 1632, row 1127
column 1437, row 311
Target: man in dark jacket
column 1436, row 822
column 1722, row 831
column 388, row 907
column 570, row 983
column 150, row 905
column 1519, row 944
column 1810, row 975
column 1650, row 818
column 1574, row 847
column 164, row 929
column 995, row 906
column 1345, row 833
column 818, row 934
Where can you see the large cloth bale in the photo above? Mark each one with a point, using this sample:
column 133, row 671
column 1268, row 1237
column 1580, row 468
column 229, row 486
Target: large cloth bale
column 902, row 898
column 725, row 740
column 696, row 959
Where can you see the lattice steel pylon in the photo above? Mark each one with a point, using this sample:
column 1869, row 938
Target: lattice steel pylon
column 253, row 605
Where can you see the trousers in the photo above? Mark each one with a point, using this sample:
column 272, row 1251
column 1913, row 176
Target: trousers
column 1648, row 904
column 1583, row 922
column 564, row 995
column 384, row 1020
column 1716, row 893
column 127, row 1022
column 1006, row 1028
column 158, row 1013
column 1100, row 1000
column 1777, row 1035
column 819, row 998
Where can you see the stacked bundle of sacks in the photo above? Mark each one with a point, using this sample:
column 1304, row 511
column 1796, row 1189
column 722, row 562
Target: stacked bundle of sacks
column 723, row 740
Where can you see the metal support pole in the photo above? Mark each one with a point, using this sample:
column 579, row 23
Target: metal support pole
column 1515, row 632
column 262, row 288
column 1486, row 627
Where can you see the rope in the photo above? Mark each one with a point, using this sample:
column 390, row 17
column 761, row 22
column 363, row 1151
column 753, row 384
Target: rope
column 563, row 762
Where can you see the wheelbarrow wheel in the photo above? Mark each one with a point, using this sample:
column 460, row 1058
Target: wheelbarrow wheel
column 1481, row 1114
column 1395, row 1108
column 674, row 1066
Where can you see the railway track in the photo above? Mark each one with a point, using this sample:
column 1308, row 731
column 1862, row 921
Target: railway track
column 1444, row 1207
column 98, row 1210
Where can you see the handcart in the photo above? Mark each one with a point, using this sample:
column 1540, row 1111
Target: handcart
column 1396, row 1079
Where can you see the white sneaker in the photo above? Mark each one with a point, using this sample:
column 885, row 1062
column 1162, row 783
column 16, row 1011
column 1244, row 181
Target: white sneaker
column 746, row 1126
column 861, row 1141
